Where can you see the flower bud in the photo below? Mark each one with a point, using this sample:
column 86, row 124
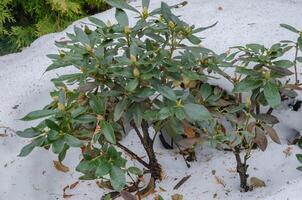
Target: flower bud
column 136, row 72
column 127, row 30
column 171, row 25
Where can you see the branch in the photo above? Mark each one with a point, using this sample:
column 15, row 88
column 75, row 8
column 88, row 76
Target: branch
column 133, row 155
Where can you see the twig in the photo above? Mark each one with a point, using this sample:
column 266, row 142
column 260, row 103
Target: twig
column 133, row 155
column 181, row 182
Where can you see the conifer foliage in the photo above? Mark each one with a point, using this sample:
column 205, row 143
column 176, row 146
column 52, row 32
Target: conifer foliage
column 21, row 21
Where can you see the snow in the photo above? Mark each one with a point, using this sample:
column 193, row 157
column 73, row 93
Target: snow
column 23, row 83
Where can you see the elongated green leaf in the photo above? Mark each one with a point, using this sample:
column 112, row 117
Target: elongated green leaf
column 289, row 27
column 131, row 85
column 28, row 133
column 272, row 95
column 193, row 39
column 117, row 178
column 247, row 85
column 167, row 92
column 197, row 30
column 73, row 141
column 145, row 3
column 26, row 150
column 121, row 4
column 121, row 17
column 119, row 109
column 196, row 112
column 52, row 125
column 137, row 115
column 135, row 171
column 300, row 43
column 58, row 146
column 81, row 36
column 38, row 114
column 102, row 169
column 283, row 63
column 166, row 11
column 97, row 22
column 108, row 132
column 97, row 104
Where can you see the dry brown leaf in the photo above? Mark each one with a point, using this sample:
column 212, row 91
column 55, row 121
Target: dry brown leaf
column 104, row 184
column 150, row 189
column 260, row 138
column 256, row 182
column 67, row 196
column 72, row 186
column 162, row 189
column 177, row 197
column 250, row 127
column 189, row 132
column 272, row 133
column 60, row 167
column 127, row 195
column 219, row 181
column 288, row 151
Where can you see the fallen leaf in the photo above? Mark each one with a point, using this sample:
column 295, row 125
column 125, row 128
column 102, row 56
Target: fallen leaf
column 256, row 182
column 67, row 196
column 177, row 197
column 72, row 186
column 60, row 167
column 189, row 132
column 219, row 181
column 288, row 151
column 104, row 184
column 162, row 189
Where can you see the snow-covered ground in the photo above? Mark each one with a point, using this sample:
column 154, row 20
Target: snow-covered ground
column 24, row 87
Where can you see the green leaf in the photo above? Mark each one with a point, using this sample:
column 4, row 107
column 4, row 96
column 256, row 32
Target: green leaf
column 299, row 59
column 197, row 30
column 283, row 63
column 117, row 178
column 247, row 85
column 52, row 125
column 164, row 113
column 72, row 141
column 179, row 113
column 137, row 115
column 81, row 36
column 85, row 119
column 121, row 4
column 121, row 17
column 289, row 27
column 119, row 109
column 135, row 171
column 26, row 150
column 300, row 43
column 206, row 90
column 197, row 112
column 28, row 133
column 102, row 169
column 131, row 85
column 58, row 146
column 108, row 132
column 97, row 104
column 193, row 39
column 272, row 95
column 85, row 166
column 38, row 114
column 167, row 92
column 299, row 157
column 145, row 3
column 166, row 11
column 97, row 22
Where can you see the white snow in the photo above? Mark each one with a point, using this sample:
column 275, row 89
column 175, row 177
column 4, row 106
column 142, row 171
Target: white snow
column 23, row 83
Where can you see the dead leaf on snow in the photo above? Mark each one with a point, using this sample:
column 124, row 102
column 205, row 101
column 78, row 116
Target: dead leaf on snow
column 72, row 186
column 219, row 180
column 256, row 182
column 177, row 197
column 288, row 151
column 60, row 167
column 127, row 195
